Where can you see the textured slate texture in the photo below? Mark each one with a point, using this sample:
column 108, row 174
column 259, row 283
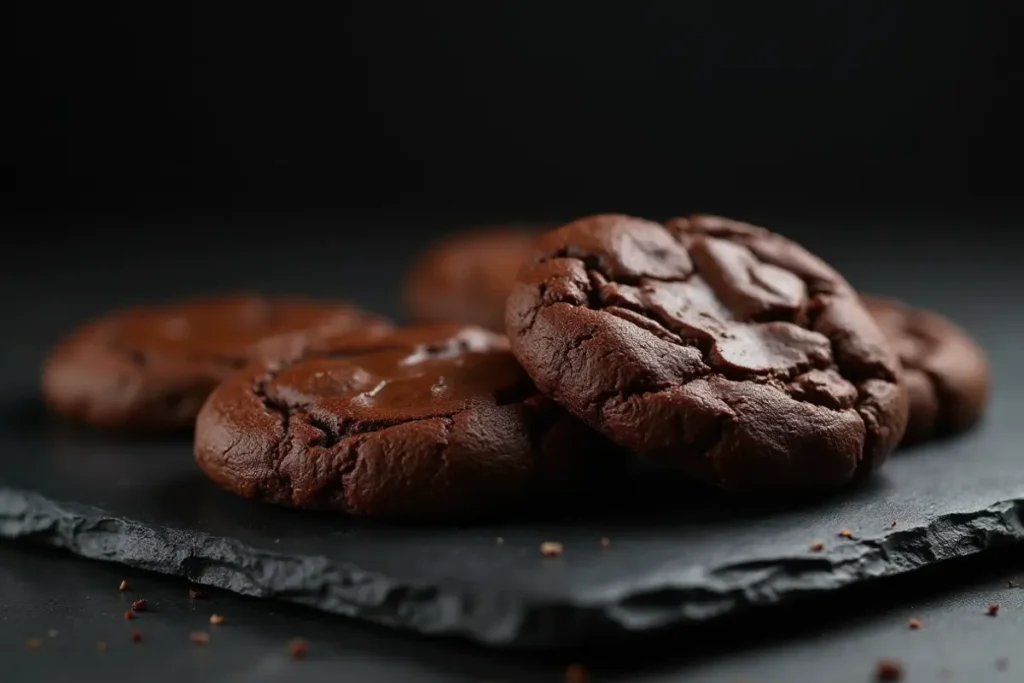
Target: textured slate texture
column 677, row 556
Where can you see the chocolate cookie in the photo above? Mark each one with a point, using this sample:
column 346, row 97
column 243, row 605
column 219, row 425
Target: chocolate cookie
column 711, row 346
column 466, row 279
column 426, row 423
column 945, row 372
column 151, row 368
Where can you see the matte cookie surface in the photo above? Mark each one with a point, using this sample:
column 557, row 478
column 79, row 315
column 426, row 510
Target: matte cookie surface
column 150, row 369
column 466, row 278
column 423, row 424
column 710, row 346
column 946, row 373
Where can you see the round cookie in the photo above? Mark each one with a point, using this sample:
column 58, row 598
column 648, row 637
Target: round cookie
column 710, row 346
column 150, row 369
column 946, row 373
column 427, row 423
column 466, row 278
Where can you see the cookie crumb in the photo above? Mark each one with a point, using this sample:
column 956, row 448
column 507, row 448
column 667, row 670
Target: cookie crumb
column 501, row 541
column 53, row 633
column 140, row 605
column 846, row 533
column 129, row 615
column 1002, row 664
column 889, row 670
column 606, row 543
column 892, row 525
column 123, row 586
column 101, row 646
column 551, row 549
column 993, row 609
column 914, row 624
column 199, row 637
column 216, row 619
column 136, row 637
column 298, row 648
column 33, row 643
column 195, row 594
column 817, row 547
column 576, row 673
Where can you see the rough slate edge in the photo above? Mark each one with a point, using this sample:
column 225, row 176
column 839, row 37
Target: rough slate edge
column 484, row 616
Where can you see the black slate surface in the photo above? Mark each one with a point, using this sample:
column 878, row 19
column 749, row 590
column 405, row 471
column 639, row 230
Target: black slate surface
column 677, row 556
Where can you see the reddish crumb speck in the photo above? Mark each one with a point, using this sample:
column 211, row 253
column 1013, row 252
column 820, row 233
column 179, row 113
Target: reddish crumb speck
column 846, row 533
column 551, row 549
column 216, row 619
column 195, row 594
column 817, row 547
column 606, row 543
column 129, row 615
column 914, row 624
column 33, row 643
column 889, row 670
column 993, row 609
column 298, row 648
column 123, row 586
column 140, row 605
column 576, row 673
column 136, row 637
column 892, row 525
column 199, row 637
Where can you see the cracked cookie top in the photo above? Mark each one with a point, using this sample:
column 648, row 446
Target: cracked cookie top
column 945, row 371
column 152, row 367
column 423, row 423
column 709, row 345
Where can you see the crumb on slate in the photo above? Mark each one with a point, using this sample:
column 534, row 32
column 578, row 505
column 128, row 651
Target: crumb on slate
column 195, row 594
column 101, row 646
column 136, row 637
column 817, row 546
column 1002, row 664
column 888, row 670
column 298, row 648
column 33, row 643
column 199, row 637
column 576, row 673
column 140, row 605
column 606, row 543
column 993, row 609
column 216, row 619
column 129, row 615
column 551, row 549
column 846, row 533
column 892, row 525
column 123, row 586
column 53, row 633
column 501, row 541
column 914, row 624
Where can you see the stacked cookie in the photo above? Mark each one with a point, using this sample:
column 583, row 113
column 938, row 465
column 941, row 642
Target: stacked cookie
column 704, row 345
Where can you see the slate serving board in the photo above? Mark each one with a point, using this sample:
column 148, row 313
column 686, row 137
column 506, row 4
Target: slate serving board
column 677, row 555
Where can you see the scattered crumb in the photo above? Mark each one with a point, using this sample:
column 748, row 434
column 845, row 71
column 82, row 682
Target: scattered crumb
column 136, row 637
column 140, row 605
column 101, row 646
column 551, row 549
column 888, row 670
column 914, row 624
column 1002, row 664
column 199, row 637
column 298, row 648
column 123, row 586
column 53, row 633
column 892, row 525
column 1012, row 583
column 606, row 543
column 501, row 541
column 993, row 609
column 216, row 619
column 33, row 643
column 277, row 540
column 576, row 673
column 846, row 533
column 129, row 615
column 195, row 594
column 817, row 546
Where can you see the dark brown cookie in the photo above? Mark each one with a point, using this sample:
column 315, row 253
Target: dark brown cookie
column 150, row 369
column 945, row 371
column 466, row 279
column 711, row 346
column 426, row 423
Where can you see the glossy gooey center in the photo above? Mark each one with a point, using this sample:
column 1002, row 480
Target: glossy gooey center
column 396, row 385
